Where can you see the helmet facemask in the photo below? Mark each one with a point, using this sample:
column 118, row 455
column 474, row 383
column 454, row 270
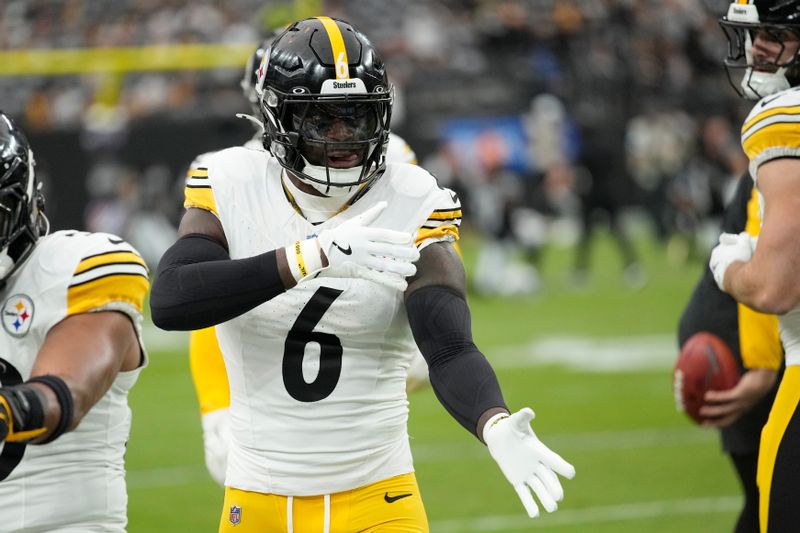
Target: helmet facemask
column 335, row 143
column 752, row 78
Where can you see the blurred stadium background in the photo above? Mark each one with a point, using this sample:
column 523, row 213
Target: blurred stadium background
column 594, row 143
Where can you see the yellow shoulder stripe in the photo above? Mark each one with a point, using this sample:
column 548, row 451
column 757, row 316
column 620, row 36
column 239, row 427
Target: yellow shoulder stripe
column 108, row 258
column 337, row 47
column 785, row 110
column 197, row 173
column 125, row 288
column 445, row 215
column 200, row 197
column 778, row 135
column 436, row 233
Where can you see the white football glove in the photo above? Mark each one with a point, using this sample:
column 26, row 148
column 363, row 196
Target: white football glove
column 216, row 437
column 528, row 464
column 731, row 248
column 387, row 252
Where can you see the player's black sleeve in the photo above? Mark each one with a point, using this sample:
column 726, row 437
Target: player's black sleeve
column 198, row 285
column 710, row 309
column 461, row 377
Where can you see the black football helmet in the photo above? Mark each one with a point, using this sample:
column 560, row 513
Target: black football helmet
column 250, row 78
column 327, row 103
column 777, row 21
column 22, row 219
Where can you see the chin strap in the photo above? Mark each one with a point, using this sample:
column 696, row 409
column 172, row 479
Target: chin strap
column 337, row 175
column 756, row 85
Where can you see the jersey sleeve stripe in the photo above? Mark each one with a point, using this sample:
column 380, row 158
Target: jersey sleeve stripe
column 779, row 138
column 199, row 173
column 108, row 270
column 783, row 110
column 200, row 197
column 133, row 267
column 456, row 223
column 769, row 121
column 445, row 215
column 448, row 232
column 100, row 292
column 109, row 258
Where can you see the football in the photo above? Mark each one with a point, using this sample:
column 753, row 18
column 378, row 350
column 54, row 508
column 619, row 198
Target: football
column 705, row 363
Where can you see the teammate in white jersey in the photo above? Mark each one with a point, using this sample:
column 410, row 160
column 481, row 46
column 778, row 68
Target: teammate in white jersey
column 69, row 352
column 321, row 266
column 764, row 42
column 205, row 358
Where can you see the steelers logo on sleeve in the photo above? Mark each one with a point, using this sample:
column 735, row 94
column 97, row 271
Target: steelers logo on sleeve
column 18, row 315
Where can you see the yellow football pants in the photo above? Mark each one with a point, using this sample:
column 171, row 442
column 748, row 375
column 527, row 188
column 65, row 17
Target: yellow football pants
column 393, row 505
column 778, row 460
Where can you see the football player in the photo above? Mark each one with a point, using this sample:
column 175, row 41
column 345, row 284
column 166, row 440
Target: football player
column 317, row 261
column 764, row 40
column 70, row 351
column 753, row 338
column 205, row 359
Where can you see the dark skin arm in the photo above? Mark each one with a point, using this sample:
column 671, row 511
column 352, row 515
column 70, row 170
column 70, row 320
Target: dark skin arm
column 439, row 264
column 87, row 351
column 205, row 223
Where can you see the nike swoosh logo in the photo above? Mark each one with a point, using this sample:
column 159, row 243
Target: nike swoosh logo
column 454, row 196
column 392, row 499
column 115, row 241
column 345, row 252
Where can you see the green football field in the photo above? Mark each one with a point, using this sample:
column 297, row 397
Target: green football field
column 593, row 362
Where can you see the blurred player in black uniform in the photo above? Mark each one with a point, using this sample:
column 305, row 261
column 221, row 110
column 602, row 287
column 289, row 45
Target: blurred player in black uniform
column 753, row 338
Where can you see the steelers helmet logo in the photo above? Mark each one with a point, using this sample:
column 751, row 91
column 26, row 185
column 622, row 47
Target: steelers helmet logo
column 18, row 315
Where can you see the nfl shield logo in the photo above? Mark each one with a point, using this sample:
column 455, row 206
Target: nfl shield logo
column 235, row 516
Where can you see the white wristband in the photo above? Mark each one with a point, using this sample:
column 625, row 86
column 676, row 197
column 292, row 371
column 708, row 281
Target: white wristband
column 304, row 258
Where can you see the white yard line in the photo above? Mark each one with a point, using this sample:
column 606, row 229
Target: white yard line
column 593, row 354
column 593, row 515
column 585, row 441
column 463, row 450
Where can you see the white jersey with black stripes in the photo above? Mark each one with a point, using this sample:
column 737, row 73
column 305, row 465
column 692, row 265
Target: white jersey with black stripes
column 317, row 374
column 69, row 273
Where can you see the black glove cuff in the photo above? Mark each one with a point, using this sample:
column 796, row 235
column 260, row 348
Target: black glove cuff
column 64, row 397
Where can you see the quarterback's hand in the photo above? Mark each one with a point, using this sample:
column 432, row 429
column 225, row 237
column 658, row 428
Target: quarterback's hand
column 731, row 248
column 528, row 464
column 381, row 250
column 724, row 407
column 216, row 436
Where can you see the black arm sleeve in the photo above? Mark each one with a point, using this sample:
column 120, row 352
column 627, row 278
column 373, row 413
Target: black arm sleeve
column 462, row 378
column 198, row 285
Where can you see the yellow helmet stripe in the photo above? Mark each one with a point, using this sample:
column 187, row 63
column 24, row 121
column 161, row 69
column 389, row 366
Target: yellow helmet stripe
column 337, row 45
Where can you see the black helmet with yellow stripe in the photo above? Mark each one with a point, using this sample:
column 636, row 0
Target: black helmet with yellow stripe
column 22, row 219
column 327, row 103
column 774, row 21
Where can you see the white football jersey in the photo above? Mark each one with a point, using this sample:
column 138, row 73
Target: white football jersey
column 317, row 374
column 772, row 131
column 398, row 151
column 77, row 482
